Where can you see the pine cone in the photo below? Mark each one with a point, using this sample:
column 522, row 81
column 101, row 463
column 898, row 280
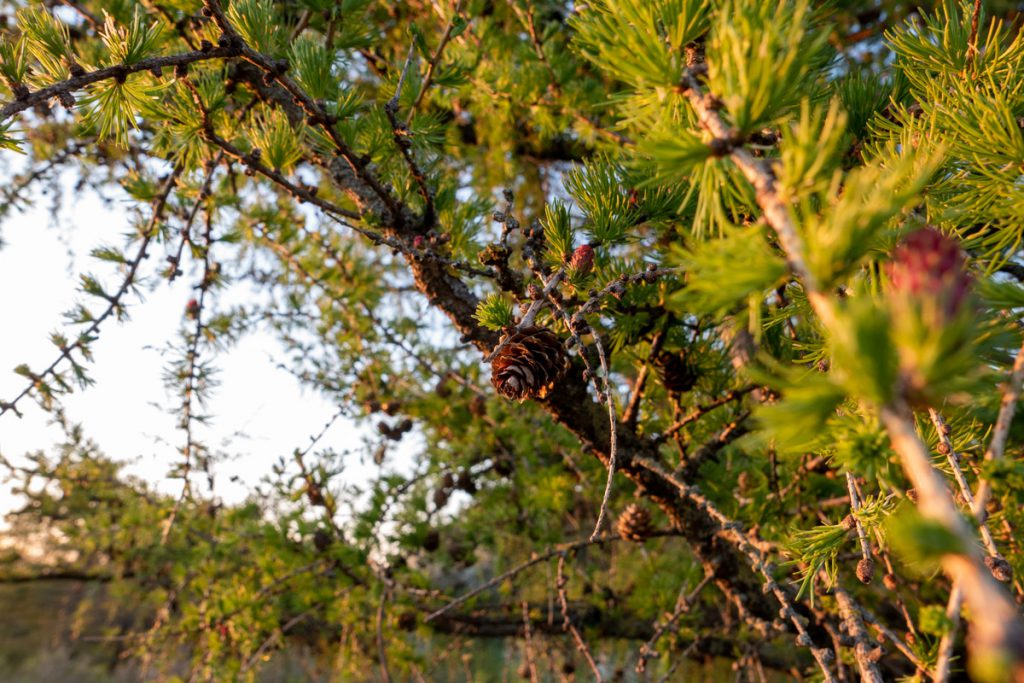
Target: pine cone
column 677, row 373
column 634, row 524
column 432, row 541
column 529, row 365
column 406, row 621
column 322, row 540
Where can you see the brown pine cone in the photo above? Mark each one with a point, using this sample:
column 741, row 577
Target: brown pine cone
column 677, row 373
column 529, row 365
column 432, row 541
column 634, row 524
column 406, row 621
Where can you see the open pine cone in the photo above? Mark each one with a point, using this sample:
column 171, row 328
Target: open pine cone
column 677, row 372
column 529, row 364
column 634, row 524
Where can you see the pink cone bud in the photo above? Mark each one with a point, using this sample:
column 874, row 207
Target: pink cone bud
column 582, row 260
column 930, row 268
column 418, row 241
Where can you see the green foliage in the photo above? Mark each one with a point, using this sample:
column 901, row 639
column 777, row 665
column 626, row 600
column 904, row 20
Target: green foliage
column 13, row 60
column 523, row 132
column 599, row 190
column 279, row 143
column 862, row 351
column 860, row 210
column 817, row 549
column 495, row 312
column 314, row 67
column 763, row 58
column 809, row 399
column 47, row 39
column 558, row 232
column 920, row 541
column 859, row 444
column 724, row 273
column 638, row 41
column 257, row 23
column 132, row 43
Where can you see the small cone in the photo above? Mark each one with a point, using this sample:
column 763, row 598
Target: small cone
column 529, row 365
column 634, row 524
column 677, row 373
column 865, row 570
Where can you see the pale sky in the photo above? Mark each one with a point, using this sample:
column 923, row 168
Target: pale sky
column 39, row 267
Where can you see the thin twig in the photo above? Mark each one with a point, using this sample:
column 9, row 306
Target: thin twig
column 996, row 615
column 114, row 301
column 972, row 40
column 429, row 77
column 382, row 652
column 866, row 653
column 995, row 451
column 535, row 560
column 609, row 396
column 865, row 544
column 683, row 605
column 953, row 458
column 701, row 410
column 563, row 600
column 110, row 73
column 632, row 411
column 944, row 658
column 731, row 531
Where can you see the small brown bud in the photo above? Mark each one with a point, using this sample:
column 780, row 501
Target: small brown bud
column 1000, row 568
column 889, row 581
column 865, row 570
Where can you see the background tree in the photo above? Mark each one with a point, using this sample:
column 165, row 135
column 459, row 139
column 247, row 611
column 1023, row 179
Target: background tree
column 745, row 272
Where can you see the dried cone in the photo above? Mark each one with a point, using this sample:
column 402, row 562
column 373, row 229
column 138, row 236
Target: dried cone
column 676, row 372
column 634, row 524
column 529, row 365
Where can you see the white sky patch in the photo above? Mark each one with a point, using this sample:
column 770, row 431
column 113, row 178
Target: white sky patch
column 259, row 411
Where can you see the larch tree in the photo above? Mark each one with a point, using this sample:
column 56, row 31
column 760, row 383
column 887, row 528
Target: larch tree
column 697, row 323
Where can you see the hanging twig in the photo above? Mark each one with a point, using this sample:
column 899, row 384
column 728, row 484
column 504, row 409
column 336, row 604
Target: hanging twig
column 429, row 77
column 382, row 652
column 531, row 663
column 563, row 601
column 683, row 605
column 609, row 397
